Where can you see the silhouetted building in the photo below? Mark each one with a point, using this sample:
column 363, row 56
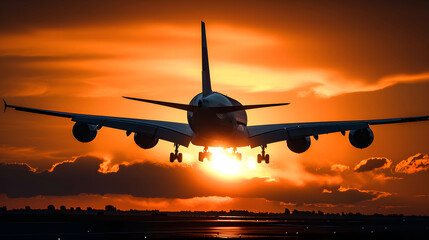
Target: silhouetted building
column 27, row 208
column 89, row 209
column 63, row 208
column 110, row 208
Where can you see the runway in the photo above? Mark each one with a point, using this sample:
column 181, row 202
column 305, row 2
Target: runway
column 168, row 227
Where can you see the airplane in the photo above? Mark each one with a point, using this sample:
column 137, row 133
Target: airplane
column 216, row 120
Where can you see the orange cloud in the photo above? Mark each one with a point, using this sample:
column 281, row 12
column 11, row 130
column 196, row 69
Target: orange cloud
column 414, row 164
column 372, row 163
column 339, row 168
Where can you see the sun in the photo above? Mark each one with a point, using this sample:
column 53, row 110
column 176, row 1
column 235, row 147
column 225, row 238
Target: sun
column 225, row 165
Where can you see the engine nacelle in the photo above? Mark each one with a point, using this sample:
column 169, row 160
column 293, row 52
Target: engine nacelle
column 144, row 141
column 84, row 132
column 299, row 145
column 361, row 138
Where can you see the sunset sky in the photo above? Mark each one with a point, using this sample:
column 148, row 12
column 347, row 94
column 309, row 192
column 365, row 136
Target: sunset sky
column 331, row 61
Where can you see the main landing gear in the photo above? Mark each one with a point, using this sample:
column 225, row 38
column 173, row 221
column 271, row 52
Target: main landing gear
column 263, row 156
column 176, row 154
column 205, row 154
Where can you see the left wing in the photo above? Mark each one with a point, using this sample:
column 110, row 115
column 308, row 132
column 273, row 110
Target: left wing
column 179, row 133
column 264, row 134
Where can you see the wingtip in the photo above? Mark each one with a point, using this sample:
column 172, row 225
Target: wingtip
column 5, row 105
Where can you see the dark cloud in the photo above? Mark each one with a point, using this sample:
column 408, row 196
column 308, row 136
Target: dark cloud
column 14, row 59
column 157, row 181
column 351, row 36
column 372, row 163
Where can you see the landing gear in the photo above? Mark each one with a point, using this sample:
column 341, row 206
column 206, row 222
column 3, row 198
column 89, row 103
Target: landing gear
column 263, row 156
column 176, row 154
column 205, row 154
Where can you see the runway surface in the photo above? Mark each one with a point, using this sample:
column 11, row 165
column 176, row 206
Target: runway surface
column 168, row 227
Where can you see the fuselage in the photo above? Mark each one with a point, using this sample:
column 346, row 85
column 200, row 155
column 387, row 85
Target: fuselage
column 217, row 129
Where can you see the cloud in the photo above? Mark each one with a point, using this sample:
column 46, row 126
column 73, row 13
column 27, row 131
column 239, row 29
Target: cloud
column 339, row 168
column 372, row 163
column 414, row 164
column 149, row 180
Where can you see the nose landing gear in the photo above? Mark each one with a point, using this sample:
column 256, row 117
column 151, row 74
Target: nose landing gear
column 263, row 156
column 205, row 154
column 176, row 154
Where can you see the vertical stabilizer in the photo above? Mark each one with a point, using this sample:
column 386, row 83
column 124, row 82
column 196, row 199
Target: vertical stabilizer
column 207, row 88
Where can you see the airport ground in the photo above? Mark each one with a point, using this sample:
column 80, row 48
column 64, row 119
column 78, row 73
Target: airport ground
column 155, row 225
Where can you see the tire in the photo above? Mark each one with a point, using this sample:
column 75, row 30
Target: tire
column 200, row 156
column 179, row 157
column 172, row 157
column 259, row 158
column 239, row 156
column 267, row 158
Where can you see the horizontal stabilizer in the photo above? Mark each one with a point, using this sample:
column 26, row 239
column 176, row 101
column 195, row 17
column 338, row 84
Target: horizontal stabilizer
column 185, row 107
column 245, row 107
column 191, row 108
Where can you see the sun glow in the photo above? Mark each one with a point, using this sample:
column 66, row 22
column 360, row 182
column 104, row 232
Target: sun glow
column 225, row 164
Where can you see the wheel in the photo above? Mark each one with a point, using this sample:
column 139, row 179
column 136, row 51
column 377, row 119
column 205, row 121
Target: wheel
column 238, row 156
column 259, row 158
column 180, row 157
column 267, row 158
column 200, row 156
column 172, row 157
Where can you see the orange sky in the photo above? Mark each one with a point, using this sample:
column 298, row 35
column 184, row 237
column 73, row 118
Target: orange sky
column 332, row 62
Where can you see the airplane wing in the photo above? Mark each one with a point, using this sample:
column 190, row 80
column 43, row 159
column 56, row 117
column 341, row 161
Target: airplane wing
column 179, row 133
column 264, row 134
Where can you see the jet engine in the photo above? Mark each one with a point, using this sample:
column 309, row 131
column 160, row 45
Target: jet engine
column 299, row 145
column 361, row 138
column 84, row 132
column 144, row 141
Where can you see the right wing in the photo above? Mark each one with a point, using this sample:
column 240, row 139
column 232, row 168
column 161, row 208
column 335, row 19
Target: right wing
column 264, row 134
column 179, row 133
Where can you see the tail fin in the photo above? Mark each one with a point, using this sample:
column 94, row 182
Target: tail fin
column 207, row 88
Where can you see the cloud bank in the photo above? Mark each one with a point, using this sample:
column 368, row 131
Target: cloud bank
column 82, row 176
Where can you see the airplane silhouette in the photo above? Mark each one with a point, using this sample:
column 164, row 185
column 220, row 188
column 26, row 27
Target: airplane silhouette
column 217, row 120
